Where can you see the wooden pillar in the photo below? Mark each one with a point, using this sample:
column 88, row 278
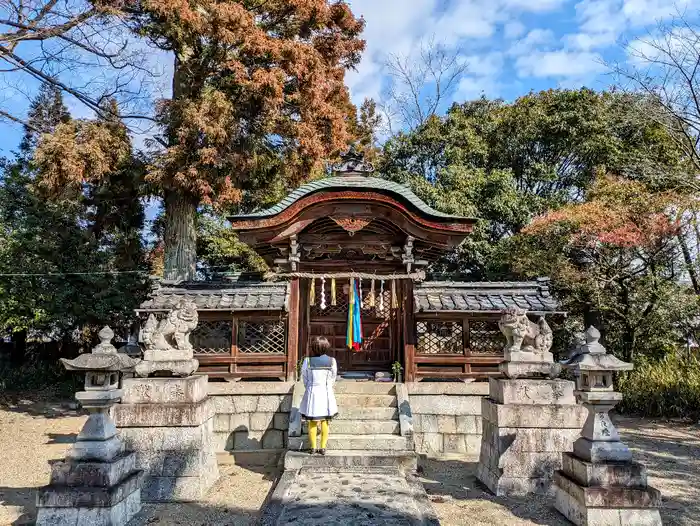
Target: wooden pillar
column 293, row 330
column 409, row 328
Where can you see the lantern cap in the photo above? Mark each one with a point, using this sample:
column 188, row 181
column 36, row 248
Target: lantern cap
column 104, row 357
column 592, row 356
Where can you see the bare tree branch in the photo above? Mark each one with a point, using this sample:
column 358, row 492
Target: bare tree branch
column 420, row 83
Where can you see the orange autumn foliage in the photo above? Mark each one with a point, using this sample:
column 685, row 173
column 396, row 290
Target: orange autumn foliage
column 619, row 213
column 258, row 89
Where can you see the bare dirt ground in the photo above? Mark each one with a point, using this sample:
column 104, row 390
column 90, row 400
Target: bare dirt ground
column 33, row 432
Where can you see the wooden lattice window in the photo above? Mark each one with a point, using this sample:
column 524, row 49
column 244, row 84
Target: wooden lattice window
column 262, row 337
column 485, row 337
column 212, row 337
column 439, row 337
column 341, row 296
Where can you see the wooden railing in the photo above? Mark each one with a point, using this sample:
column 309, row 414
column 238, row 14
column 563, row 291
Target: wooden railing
column 454, row 348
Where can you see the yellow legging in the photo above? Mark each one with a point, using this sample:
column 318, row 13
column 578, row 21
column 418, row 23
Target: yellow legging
column 313, row 432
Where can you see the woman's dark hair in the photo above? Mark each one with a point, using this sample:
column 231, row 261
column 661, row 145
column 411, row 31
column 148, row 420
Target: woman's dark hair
column 319, row 346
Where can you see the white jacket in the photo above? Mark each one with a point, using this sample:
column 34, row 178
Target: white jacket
column 319, row 374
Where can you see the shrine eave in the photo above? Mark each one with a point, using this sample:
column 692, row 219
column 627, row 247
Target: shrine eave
column 490, row 297
column 353, row 187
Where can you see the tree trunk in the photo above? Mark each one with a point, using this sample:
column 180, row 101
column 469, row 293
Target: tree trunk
column 690, row 267
column 180, row 237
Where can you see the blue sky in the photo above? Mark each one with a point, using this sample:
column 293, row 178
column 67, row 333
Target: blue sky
column 510, row 46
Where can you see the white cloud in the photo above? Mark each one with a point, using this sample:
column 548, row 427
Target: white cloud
column 514, row 29
column 560, row 64
column 537, row 39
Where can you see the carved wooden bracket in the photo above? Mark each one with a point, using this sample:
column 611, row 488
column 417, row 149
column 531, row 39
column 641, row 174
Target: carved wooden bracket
column 351, row 224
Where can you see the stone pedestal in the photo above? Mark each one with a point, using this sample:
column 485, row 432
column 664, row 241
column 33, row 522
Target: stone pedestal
column 599, row 484
column 169, row 423
column 527, row 424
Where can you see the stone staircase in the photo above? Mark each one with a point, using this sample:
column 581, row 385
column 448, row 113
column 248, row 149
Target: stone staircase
column 366, row 433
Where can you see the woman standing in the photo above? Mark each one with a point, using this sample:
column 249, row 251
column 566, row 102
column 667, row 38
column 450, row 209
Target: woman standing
column 318, row 406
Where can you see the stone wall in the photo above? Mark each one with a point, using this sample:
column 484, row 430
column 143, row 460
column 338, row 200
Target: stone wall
column 251, row 420
column 447, row 417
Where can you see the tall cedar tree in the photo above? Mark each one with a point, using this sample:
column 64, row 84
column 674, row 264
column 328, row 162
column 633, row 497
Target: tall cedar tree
column 258, row 94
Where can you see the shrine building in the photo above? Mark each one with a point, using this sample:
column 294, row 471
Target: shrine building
column 330, row 237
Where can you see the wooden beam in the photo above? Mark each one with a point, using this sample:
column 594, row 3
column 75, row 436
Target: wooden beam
column 293, row 330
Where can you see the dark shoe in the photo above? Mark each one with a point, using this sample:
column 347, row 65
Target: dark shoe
column 322, row 452
column 313, row 451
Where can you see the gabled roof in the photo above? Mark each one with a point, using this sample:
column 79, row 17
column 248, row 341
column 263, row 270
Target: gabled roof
column 349, row 182
column 220, row 296
column 485, row 297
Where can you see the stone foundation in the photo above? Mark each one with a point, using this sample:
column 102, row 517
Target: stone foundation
column 169, row 423
column 446, row 417
column 252, row 421
column 527, row 424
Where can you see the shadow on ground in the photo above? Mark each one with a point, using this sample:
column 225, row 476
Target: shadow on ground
column 453, row 484
column 45, row 408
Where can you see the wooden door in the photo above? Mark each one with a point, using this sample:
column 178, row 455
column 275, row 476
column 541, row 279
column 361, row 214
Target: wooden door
column 378, row 329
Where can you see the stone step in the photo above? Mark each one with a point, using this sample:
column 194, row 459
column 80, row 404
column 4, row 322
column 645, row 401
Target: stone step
column 362, row 427
column 343, row 460
column 365, row 400
column 351, row 387
column 368, row 413
column 355, row 442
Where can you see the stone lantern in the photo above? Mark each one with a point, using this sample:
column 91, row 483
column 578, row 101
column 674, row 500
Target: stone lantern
column 599, row 483
column 98, row 482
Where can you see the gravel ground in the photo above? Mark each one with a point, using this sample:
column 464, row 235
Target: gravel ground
column 34, row 432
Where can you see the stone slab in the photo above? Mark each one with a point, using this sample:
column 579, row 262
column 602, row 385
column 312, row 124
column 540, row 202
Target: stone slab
column 178, row 368
column 532, row 392
column 578, row 514
column 602, row 451
column 609, row 474
column 446, row 404
column 608, row 497
column 94, row 474
column 525, row 415
column 447, row 388
column 529, row 369
column 316, row 498
column 529, row 440
column 250, row 388
column 156, row 355
column 117, row 515
column 505, row 486
column 163, row 414
column 167, row 438
column 403, row 461
column 164, row 390
column 87, row 497
column 176, row 489
column 98, row 450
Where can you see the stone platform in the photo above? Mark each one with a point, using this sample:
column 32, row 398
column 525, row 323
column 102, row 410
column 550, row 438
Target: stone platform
column 339, row 498
column 169, row 423
column 527, row 424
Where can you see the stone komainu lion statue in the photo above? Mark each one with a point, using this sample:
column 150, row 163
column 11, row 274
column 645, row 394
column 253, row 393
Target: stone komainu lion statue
column 523, row 334
column 172, row 332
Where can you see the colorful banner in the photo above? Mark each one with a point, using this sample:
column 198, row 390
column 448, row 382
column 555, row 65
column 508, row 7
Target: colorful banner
column 354, row 337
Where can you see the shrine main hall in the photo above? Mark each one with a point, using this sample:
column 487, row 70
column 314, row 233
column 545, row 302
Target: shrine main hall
column 351, row 228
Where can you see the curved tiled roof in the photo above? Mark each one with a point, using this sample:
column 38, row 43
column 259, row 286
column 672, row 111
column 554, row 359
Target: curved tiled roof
column 229, row 297
column 350, row 182
column 489, row 296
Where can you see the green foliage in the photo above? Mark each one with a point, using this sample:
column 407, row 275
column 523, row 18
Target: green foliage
column 219, row 250
column 508, row 163
column 668, row 387
column 73, row 262
column 38, row 375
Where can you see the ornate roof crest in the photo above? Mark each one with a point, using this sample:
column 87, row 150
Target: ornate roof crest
column 352, row 163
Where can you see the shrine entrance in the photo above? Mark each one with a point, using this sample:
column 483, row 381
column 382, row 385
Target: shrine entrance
column 381, row 337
